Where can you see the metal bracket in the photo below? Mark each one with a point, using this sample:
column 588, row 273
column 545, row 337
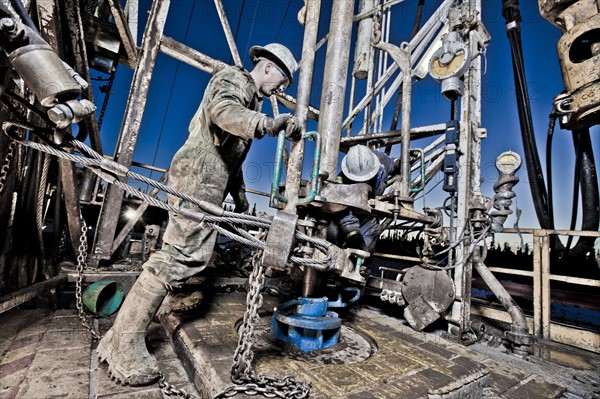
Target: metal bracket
column 280, row 240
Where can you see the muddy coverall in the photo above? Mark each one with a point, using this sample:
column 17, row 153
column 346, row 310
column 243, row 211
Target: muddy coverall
column 206, row 167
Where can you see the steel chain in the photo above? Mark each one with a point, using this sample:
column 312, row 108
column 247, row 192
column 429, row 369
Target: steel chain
column 62, row 243
column 171, row 390
column 168, row 389
column 81, row 258
column 6, row 165
column 245, row 378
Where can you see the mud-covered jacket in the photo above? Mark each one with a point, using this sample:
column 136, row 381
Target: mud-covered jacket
column 220, row 135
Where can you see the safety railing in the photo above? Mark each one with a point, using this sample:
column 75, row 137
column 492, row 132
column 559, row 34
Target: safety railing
column 541, row 324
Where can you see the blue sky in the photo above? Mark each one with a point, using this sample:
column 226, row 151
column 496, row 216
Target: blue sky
column 177, row 89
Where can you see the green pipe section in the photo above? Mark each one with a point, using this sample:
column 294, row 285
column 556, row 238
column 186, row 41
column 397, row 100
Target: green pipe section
column 314, row 175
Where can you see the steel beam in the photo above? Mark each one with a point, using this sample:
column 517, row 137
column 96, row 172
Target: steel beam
column 50, row 29
column 192, row 57
column 228, row 34
column 334, row 84
column 26, row 294
column 130, row 127
column 136, row 216
column 73, row 13
column 124, row 32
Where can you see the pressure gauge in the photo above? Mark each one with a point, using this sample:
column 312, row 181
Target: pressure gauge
column 508, row 163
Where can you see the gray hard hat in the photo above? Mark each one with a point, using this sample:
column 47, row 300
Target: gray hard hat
column 277, row 53
column 360, row 164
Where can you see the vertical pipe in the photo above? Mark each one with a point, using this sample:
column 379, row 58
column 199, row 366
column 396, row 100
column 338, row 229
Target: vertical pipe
column 294, row 171
column 334, row 85
column 406, row 107
column 469, row 163
column 370, row 92
column 362, row 50
column 352, row 95
column 228, row 34
column 546, row 286
column 537, row 285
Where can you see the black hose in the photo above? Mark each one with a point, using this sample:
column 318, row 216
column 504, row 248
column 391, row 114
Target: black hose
column 549, row 140
column 576, row 183
column 22, row 12
column 510, row 11
column 590, row 196
column 418, row 17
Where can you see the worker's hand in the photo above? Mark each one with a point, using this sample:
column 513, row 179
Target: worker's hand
column 240, row 200
column 287, row 122
column 293, row 130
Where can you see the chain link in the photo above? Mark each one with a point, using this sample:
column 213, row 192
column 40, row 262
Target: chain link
column 171, row 390
column 6, row 165
column 81, row 258
column 245, row 378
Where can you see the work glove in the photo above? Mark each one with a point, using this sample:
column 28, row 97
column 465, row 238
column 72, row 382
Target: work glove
column 241, row 201
column 272, row 126
column 237, row 190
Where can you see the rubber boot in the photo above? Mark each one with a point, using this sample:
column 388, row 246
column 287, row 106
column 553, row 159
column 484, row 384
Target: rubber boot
column 123, row 347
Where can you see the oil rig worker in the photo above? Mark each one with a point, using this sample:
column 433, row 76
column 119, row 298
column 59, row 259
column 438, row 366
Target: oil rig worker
column 206, row 167
column 363, row 165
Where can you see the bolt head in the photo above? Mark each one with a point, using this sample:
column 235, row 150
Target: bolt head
column 7, row 24
column 56, row 114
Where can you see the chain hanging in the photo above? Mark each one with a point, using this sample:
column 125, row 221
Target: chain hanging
column 81, row 258
column 6, row 165
column 245, row 378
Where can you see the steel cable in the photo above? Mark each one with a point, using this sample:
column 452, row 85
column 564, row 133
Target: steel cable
column 99, row 165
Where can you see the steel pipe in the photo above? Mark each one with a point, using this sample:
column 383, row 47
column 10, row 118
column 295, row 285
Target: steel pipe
column 519, row 334
column 334, row 84
column 294, row 171
column 363, row 42
column 26, row 294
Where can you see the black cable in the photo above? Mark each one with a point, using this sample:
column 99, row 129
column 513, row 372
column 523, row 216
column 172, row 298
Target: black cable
column 283, row 20
column 549, row 140
column 510, row 11
column 576, row 181
column 237, row 28
column 418, row 16
column 590, row 196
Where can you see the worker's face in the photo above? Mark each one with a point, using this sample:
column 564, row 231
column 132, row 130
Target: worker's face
column 275, row 80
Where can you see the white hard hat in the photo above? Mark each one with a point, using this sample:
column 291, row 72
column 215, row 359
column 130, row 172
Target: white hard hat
column 277, row 53
column 360, row 164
